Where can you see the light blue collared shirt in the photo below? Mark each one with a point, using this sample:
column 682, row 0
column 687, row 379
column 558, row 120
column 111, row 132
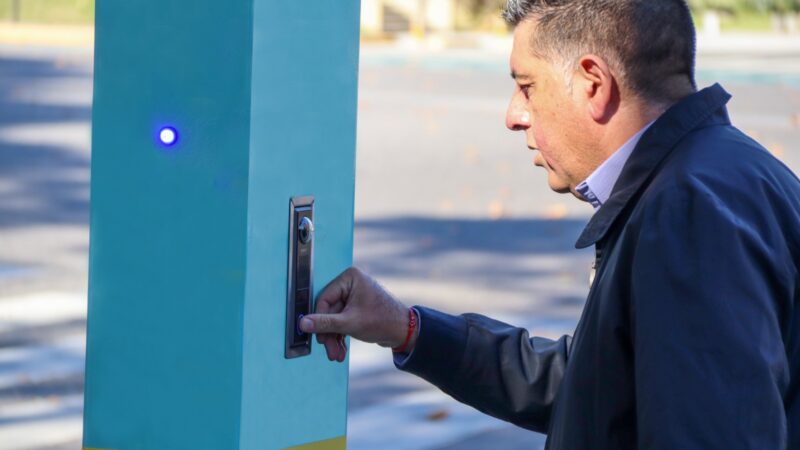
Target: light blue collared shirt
column 597, row 188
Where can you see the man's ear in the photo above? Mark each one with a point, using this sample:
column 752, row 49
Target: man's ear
column 598, row 87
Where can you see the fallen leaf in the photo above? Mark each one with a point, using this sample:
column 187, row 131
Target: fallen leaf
column 471, row 155
column 503, row 168
column 446, row 205
column 796, row 120
column 438, row 415
column 496, row 210
column 555, row 211
column 753, row 134
column 776, row 149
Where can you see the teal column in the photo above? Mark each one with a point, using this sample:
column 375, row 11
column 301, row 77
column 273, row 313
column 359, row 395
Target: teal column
column 189, row 241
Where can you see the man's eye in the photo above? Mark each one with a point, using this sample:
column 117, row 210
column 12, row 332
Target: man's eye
column 525, row 90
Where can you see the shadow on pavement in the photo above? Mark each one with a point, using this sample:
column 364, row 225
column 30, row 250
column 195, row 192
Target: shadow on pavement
column 509, row 255
column 426, row 235
column 41, row 184
column 19, row 73
column 41, row 187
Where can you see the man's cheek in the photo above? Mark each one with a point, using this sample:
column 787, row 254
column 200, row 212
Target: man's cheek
column 539, row 136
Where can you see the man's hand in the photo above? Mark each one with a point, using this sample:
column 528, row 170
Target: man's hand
column 356, row 305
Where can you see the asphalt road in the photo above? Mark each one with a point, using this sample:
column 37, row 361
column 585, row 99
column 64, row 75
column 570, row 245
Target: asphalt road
column 450, row 212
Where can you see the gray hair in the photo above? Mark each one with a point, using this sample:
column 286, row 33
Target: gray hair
column 649, row 44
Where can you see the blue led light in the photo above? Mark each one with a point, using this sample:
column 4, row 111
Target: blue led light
column 168, row 136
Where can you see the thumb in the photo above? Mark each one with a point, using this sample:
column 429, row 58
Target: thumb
column 323, row 323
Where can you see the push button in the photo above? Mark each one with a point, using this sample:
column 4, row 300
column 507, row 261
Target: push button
column 301, row 309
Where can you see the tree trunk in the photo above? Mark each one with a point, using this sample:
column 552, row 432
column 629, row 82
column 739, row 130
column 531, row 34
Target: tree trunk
column 790, row 23
column 420, row 20
column 711, row 23
column 15, row 11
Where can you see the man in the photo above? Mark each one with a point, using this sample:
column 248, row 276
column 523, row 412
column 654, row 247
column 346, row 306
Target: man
column 690, row 336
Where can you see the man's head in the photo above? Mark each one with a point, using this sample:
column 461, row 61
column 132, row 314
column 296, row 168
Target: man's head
column 590, row 73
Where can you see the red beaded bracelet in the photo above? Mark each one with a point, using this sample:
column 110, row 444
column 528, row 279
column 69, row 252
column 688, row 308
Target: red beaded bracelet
column 412, row 325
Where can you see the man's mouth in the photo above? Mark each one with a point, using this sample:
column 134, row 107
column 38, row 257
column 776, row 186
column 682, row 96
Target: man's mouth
column 538, row 159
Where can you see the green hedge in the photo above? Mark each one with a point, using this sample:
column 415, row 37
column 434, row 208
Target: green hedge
column 745, row 6
column 50, row 11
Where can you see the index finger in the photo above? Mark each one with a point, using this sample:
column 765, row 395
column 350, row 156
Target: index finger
column 327, row 308
column 335, row 292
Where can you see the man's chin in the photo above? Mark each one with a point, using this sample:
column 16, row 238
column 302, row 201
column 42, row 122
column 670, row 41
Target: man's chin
column 558, row 186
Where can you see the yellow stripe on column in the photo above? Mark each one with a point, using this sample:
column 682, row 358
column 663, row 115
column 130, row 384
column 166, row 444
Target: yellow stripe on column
column 339, row 443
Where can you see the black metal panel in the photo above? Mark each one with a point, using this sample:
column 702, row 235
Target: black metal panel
column 299, row 300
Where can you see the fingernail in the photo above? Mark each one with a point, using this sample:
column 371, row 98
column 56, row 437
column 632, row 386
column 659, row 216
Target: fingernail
column 307, row 325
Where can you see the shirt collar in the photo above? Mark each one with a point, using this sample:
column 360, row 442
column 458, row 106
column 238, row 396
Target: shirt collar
column 596, row 189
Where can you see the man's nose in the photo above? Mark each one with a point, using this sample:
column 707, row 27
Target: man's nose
column 517, row 117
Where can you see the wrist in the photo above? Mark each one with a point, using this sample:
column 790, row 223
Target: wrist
column 413, row 341
column 410, row 332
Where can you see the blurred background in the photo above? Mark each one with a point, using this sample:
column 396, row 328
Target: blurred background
column 450, row 211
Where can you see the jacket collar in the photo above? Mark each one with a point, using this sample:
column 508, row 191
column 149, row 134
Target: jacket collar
column 703, row 108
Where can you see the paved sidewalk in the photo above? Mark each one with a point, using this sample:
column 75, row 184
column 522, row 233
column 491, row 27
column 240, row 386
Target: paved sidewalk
column 42, row 353
column 46, row 35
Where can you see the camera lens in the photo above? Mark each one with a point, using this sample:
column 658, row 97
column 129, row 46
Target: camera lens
column 305, row 230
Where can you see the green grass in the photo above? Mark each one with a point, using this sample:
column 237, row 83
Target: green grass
column 50, row 11
column 746, row 22
column 740, row 22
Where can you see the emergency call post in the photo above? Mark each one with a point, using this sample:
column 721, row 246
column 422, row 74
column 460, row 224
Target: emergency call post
column 222, row 201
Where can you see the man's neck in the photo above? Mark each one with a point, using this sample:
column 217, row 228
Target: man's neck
column 616, row 132
column 633, row 115
column 627, row 122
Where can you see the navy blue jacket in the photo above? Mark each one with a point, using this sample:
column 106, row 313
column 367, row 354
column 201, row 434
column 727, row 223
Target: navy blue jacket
column 690, row 336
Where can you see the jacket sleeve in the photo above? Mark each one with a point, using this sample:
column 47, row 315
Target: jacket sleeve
column 710, row 289
column 492, row 366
